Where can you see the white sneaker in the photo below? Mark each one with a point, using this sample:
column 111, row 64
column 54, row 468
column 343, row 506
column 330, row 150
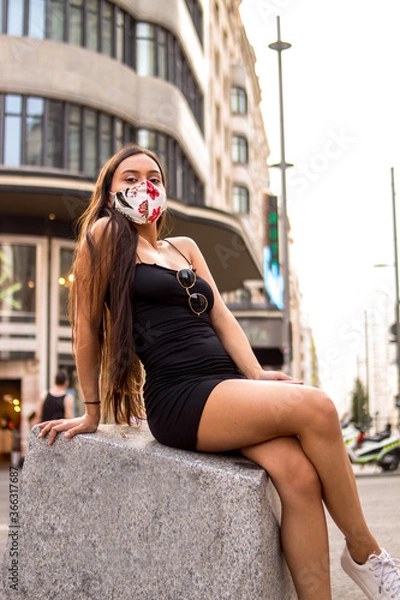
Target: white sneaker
column 379, row 577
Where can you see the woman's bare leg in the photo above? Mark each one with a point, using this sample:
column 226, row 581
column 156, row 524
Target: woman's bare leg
column 243, row 413
column 304, row 533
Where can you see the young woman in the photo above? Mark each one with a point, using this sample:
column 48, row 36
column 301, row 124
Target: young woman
column 139, row 299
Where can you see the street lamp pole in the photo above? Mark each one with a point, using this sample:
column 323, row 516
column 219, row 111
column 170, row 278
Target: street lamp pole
column 280, row 46
column 396, row 268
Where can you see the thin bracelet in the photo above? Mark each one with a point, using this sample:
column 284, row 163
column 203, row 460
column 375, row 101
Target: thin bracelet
column 98, row 402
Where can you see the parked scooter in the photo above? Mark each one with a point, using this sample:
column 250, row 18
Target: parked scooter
column 382, row 449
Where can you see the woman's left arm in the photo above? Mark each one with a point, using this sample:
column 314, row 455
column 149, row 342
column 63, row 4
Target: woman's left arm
column 227, row 327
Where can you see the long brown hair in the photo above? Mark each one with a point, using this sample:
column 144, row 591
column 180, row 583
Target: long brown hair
column 121, row 371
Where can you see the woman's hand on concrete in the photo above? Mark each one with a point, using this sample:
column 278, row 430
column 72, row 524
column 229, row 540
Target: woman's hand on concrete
column 85, row 424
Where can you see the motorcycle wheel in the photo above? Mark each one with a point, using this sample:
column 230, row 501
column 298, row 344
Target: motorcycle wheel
column 390, row 461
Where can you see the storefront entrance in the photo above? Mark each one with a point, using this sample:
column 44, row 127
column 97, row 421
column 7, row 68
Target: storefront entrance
column 10, row 419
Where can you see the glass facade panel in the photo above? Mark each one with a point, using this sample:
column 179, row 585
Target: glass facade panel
column 90, row 137
column 12, row 130
column 64, row 283
column 238, row 101
column 240, row 199
column 15, row 17
column 162, row 54
column 59, row 135
column 162, row 149
column 55, row 135
column 196, row 13
column 145, row 50
column 178, row 64
column 17, row 282
column 121, row 18
column 74, row 138
column 119, row 134
column 76, row 22
column 179, row 173
column 147, row 139
column 93, row 13
column 104, row 27
column 239, row 149
column 34, row 131
column 107, row 30
column 37, row 19
column 106, row 146
column 56, row 20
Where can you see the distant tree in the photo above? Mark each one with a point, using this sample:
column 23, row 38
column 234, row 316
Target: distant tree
column 360, row 404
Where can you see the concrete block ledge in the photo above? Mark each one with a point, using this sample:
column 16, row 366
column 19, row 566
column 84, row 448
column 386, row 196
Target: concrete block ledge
column 115, row 515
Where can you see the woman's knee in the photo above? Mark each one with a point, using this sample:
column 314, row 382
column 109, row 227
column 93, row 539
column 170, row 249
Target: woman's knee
column 292, row 473
column 297, row 481
column 324, row 416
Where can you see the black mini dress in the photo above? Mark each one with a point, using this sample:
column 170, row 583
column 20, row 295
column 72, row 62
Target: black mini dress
column 181, row 353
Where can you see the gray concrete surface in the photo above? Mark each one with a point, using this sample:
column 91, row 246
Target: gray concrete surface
column 380, row 496
column 117, row 516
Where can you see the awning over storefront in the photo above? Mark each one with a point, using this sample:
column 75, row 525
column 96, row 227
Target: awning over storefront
column 37, row 206
column 223, row 242
column 219, row 235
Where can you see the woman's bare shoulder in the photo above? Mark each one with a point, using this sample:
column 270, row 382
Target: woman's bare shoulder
column 100, row 226
column 182, row 242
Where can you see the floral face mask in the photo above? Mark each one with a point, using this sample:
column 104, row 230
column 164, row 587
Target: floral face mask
column 142, row 203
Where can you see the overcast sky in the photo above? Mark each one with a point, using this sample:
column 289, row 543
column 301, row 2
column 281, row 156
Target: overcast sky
column 342, row 124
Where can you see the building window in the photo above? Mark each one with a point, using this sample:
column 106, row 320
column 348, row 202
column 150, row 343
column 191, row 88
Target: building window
column 54, row 146
column 18, row 281
column 104, row 27
column 217, row 118
column 159, row 54
column 45, row 133
column 37, row 19
column 196, row 13
column 240, row 199
column 76, row 22
column 238, row 101
column 145, row 49
column 108, row 30
column 56, row 20
column 240, row 149
column 183, row 183
column 93, row 25
column 147, row 139
column 219, row 173
column 91, row 141
column 74, row 138
column 217, row 63
column 18, row 272
column 64, row 284
column 12, row 130
column 15, row 17
column 106, row 136
column 34, row 131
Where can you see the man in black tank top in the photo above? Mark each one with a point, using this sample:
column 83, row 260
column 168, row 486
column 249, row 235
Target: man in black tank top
column 56, row 403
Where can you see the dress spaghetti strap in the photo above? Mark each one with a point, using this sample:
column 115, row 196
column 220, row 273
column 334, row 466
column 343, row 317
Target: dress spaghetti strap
column 181, row 253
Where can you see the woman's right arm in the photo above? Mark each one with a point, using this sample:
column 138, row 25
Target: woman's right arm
column 88, row 310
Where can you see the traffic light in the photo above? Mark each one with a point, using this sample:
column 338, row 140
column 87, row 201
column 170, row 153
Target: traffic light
column 273, row 230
